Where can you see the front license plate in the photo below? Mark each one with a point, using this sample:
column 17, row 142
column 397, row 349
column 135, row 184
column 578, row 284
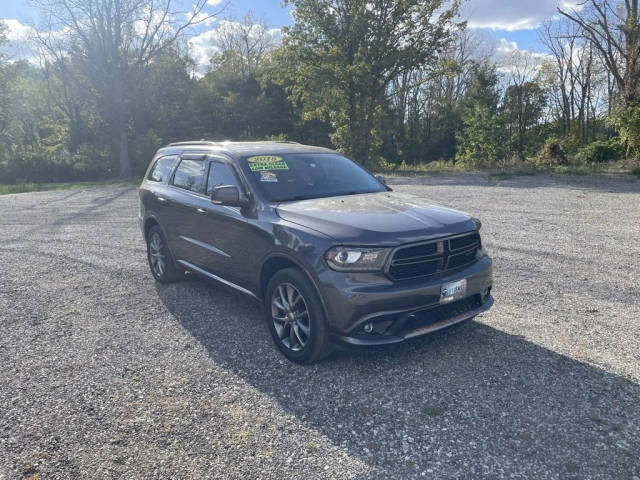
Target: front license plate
column 453, row 290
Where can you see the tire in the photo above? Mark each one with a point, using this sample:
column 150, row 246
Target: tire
column 158, row 253
column 302, row 339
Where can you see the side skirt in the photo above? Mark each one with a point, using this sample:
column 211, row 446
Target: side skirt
column 199, row 270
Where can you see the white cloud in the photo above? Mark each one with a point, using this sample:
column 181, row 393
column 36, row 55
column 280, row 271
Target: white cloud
column 513, row 15
column 16, row 31
column 214, row 3
column 513, row 60
column 505, row 46
column 203, row 47
column 20, row 38
column 201, row 18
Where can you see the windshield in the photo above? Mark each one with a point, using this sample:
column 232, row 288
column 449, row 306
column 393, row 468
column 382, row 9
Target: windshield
column 299, row 176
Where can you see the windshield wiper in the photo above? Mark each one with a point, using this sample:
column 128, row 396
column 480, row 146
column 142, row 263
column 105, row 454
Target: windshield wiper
column 326, row 195
column 303, row 197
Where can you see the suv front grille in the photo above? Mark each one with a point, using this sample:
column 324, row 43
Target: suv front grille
column 430, row 258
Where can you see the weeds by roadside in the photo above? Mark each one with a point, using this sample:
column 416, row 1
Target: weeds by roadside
column 510, row 169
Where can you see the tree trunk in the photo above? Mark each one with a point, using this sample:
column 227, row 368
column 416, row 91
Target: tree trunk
column 125, row 165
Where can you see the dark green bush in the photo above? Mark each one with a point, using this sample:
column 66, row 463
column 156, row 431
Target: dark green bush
column 600, row 151
column 26, row 166
column 552, row 153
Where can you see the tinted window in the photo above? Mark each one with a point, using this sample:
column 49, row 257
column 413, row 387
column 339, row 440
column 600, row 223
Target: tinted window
column 162, row 169
column 220, row 174
column 308, row 175
column 190, row 175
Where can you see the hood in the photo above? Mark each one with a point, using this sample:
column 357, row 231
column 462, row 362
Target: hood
column 385, row 218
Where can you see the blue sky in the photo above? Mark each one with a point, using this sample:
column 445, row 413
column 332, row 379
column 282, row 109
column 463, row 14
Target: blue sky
column 508, row 23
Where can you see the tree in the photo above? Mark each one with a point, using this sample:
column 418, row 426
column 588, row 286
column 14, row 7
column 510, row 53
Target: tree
column 523, row 105
column 241, row 87
column 243, row 47
column 112, row 43
column 524, row 99
column 482, row 139
column 425, row 102
column 344, row 54
column 613, row 28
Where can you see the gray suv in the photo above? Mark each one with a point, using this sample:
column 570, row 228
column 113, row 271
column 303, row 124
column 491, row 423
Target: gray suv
column 333, row 254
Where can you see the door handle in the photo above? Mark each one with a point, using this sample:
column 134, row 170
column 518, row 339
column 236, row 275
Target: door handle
column 202, row 211
column 161, row 199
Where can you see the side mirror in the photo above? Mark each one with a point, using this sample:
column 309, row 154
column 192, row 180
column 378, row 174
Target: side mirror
column 228, row 195
column 382, row 180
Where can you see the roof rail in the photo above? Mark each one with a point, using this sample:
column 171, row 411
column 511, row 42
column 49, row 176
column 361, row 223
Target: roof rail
column 286, row 141
column 193, row 142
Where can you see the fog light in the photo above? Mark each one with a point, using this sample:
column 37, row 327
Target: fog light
column 368, row 328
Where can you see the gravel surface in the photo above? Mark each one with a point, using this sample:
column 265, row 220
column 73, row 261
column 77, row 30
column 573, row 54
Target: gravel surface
column 106, row 374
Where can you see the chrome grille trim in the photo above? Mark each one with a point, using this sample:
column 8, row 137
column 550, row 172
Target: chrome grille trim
column 447, row 254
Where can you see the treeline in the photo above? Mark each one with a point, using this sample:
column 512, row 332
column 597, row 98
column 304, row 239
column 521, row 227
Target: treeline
column 390, row 83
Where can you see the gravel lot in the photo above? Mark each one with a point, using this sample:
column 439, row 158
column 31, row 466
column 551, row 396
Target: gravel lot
column 105, row 374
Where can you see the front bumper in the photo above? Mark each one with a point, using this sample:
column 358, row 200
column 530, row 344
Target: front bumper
column 400, row 310
column 414, row 324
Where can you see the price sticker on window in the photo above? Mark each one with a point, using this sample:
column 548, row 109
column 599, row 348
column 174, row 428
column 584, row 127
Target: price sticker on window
column 267, row 162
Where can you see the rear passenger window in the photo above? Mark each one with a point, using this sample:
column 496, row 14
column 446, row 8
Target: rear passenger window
column 220, row 174
column 190, row 175
column 162, row 169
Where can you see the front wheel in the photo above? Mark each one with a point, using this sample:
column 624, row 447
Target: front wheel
column 295, row 317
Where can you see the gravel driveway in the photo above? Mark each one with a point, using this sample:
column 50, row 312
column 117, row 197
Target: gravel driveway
column 106, row 374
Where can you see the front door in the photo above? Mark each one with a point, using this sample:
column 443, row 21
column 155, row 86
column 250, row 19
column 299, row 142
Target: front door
column 221, row 232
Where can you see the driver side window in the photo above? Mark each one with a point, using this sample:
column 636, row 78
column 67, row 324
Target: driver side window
column 220, row 174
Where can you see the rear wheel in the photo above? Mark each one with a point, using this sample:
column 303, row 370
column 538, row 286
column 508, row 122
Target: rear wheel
column 161, row 263
column 295, row 317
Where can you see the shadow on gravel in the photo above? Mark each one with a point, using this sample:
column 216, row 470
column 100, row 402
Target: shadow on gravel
column 470, row 396
column 93, row 210
column 605, row 183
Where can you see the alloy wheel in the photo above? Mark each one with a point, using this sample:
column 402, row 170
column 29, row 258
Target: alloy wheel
column 157, row 255
column 290, row 316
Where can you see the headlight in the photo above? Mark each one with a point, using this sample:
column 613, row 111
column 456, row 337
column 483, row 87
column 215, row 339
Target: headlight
column 356, row 259
column 478, row 223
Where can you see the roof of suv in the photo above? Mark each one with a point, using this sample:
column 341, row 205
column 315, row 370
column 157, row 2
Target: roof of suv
column 243, row 149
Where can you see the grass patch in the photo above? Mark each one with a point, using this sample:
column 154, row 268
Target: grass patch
column 41, row 187
column 433, row 411
column 571, row 170
column 501, row 175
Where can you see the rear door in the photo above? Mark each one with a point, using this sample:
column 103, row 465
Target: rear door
column 153, row 201
column 182, row 200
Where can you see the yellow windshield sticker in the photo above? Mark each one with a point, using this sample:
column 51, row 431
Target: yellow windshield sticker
column 267, row 162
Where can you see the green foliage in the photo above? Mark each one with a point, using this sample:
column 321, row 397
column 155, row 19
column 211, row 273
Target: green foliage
column 626, row 122
column 552, row 153
column 523, row 107
column 55, row 166
column 481, row 141
column 388, row 82
column 600, row 151
column 143, row 147
column 344, row 55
